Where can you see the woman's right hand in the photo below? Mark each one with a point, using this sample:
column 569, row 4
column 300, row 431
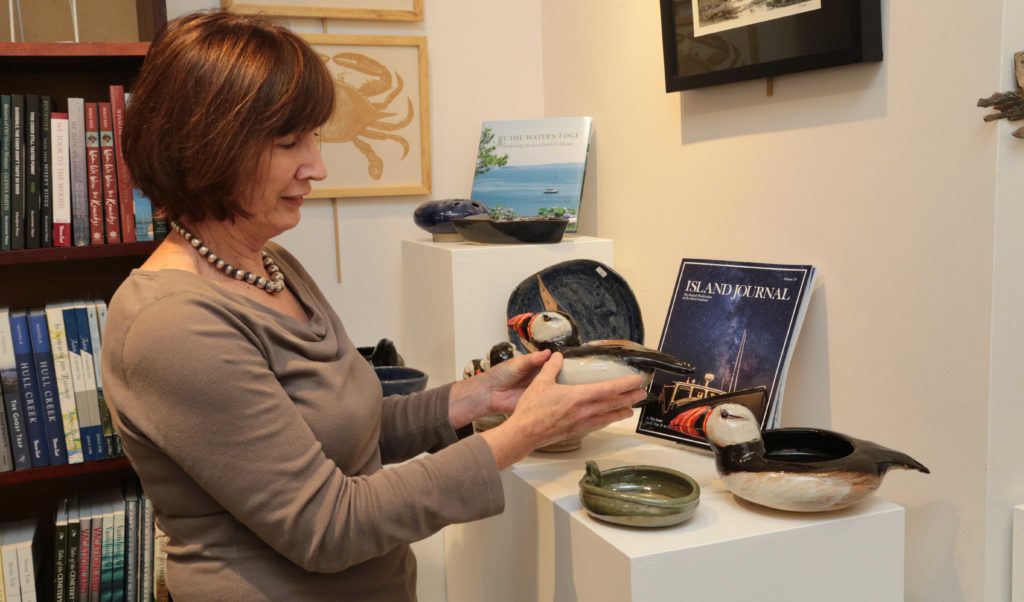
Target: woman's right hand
column 548, row 412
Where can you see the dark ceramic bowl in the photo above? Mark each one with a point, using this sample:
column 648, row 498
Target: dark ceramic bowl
column 399, row 380
column 530, row 230
column 436, row 216
column 639, row 496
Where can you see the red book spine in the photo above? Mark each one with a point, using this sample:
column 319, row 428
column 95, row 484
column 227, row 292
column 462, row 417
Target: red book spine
column 111, row 211
column 124, row 179
column 94, row 168
column 84, row 568
column 96, row 556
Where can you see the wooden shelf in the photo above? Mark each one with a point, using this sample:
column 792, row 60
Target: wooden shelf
column 66, row 49
column 35, row 475
column 53, row 254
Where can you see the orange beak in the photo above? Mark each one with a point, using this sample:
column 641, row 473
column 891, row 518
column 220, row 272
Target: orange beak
column 521, row 324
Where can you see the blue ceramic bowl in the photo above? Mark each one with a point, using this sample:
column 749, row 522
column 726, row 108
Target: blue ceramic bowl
column 399, row 380
column 436, row 216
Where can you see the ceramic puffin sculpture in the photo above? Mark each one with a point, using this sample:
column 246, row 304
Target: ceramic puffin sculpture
column 593, row 361
column 797, row 469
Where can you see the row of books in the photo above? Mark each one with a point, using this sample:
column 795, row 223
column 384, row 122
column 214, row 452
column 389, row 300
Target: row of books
column 63, row 178
column 54, row 411
column 106, row 547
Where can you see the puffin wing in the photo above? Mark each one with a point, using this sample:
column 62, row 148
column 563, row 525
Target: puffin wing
column 638, row 356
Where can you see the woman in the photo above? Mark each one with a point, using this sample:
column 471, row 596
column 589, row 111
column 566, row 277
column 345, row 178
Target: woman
column 257, row 429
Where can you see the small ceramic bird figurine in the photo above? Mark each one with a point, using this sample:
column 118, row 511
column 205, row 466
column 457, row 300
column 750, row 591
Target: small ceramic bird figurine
column 798, row 469
column 593, row 361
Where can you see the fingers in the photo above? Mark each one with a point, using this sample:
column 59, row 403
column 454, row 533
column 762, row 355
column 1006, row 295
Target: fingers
column 551, row 369
column 610, row 388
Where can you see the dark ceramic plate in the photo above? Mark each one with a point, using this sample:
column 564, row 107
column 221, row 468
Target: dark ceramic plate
column 534, row 230
column 596, row 296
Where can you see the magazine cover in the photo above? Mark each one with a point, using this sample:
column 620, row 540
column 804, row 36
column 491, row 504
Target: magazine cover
column 737, row 323
column 532, row 167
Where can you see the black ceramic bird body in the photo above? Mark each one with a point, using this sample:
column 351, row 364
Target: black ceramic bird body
column 797, row 469
column 592, row 361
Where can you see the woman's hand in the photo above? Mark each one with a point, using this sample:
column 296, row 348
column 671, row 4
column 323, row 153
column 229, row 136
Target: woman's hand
column 495, row 391
column 547, row 411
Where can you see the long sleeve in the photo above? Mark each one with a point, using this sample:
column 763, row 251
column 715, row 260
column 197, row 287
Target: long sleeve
column 413, row 424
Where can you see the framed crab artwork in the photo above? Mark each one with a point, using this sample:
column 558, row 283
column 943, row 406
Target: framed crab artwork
column 374, row 10
column 378, row 141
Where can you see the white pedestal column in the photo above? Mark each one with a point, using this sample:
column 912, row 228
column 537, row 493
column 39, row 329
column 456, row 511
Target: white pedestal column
column 455, row 296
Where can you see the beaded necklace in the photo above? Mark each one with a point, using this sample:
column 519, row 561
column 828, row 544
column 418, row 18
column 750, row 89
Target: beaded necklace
column 274, row 285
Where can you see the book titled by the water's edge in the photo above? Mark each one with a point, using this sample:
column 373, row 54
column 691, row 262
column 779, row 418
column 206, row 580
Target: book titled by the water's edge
column 737, row 323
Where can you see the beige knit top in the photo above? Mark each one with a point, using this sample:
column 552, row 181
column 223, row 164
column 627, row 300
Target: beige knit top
column 261, row 439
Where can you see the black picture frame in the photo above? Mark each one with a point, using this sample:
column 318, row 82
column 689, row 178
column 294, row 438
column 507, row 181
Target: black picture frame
column 841, row 32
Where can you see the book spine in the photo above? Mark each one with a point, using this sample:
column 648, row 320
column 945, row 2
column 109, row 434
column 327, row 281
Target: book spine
column 60, row 552
column 12, row 395
column 84, row 548
column 9, row 556
column 94, row 173
column 53, row 424
column 5, row 172
column 78, row 172
column 146, row 551
column 74, row 541
column 95, row 346
column 96, row 552
column 124, row 180
column 45, row 174
column 160, row 591
column 88, row 371
column 88, row 425
column 60, row 180
column 6, row 456
column 63, row 379
column 30, row 398
column 143, row 206
column 119, row 545
column 109, row 545
column 26, row 563
column 111, row 210
column 32, row 175
column 17, row 171
column 131, row 546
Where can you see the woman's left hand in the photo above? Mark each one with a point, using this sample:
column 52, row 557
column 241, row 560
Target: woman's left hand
column 495, row 391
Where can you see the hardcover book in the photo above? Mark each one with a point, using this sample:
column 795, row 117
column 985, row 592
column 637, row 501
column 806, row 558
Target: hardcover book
column 12, row 395
column 144, row 226
column 45, row 173
column 52, row 418
column 92, row 346
column 74, row 541
column 737, row 323
column 5, row 172
column 111, row 207
column 33, row 198
column 124, row 181
column 88, row 421
column 31, row 400
column 60, row 180
column 78, row 170
column 533, row 167
column 60, row 552
column 17, row 171
column 64, row 381
column 84, row 548
column 94, row 173
column 89, row 374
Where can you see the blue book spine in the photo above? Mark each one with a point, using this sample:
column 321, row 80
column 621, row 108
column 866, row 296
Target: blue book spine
column 12, row 395
column 52, row 418
column 30, row 398
column 87, row 429
column 85, row 348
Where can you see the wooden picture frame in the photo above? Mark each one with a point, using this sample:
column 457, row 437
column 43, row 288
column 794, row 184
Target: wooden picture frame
column 841, row 32
column 378, row 141
column 366, row 10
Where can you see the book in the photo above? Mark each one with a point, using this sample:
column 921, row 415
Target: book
column 16, row 429
column 124, row 181
column 89, row 373
column 17, row 171
column 84, row 548
column 160, row 591
column 74, row 541
column 144, row 229
column 94, row 173
column 3, row 583
column 60, row 180
column 146, row 549
column 52, row 417
column 5, row 172
column 118, row 546
column 107, row 548
column 24, row 539
column 531, row 167
column 111, row 204
column 78, row 172
column 65, row 385
column 96, row 527
column 45, row 173
column 90, row 430
column 9, row 560
column 113, row 442
column 31, row 400
column 737, row 323
column 33, row 198
column 132, row 540
column 60, row 551
column 6, row 456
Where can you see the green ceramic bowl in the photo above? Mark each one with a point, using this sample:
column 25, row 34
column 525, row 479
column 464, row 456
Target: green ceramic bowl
column 639, row 496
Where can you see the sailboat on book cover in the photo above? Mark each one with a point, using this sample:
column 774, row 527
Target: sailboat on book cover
column 532, row 167
column 737, row 322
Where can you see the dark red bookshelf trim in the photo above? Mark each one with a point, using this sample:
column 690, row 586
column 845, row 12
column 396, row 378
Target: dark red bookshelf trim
column 62, row 49
column 33, row 475
column 127, row 249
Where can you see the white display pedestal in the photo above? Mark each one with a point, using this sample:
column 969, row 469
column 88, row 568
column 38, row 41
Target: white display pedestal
column 1017, row 558
column 456, row 295
column 545, row 546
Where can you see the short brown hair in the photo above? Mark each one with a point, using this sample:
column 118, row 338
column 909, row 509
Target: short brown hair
column 214, row 91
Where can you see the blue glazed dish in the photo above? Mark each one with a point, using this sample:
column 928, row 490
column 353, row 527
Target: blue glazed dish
column 400, row 380
column 436, row 216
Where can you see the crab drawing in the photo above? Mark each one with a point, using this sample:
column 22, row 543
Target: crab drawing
column 360, row 115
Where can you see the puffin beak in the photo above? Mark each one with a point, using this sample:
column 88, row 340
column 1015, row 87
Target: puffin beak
column 521, row 323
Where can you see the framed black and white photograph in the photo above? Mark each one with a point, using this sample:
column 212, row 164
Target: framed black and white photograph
column 711, row 42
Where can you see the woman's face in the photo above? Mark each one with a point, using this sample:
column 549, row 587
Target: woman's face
column 287, row 168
